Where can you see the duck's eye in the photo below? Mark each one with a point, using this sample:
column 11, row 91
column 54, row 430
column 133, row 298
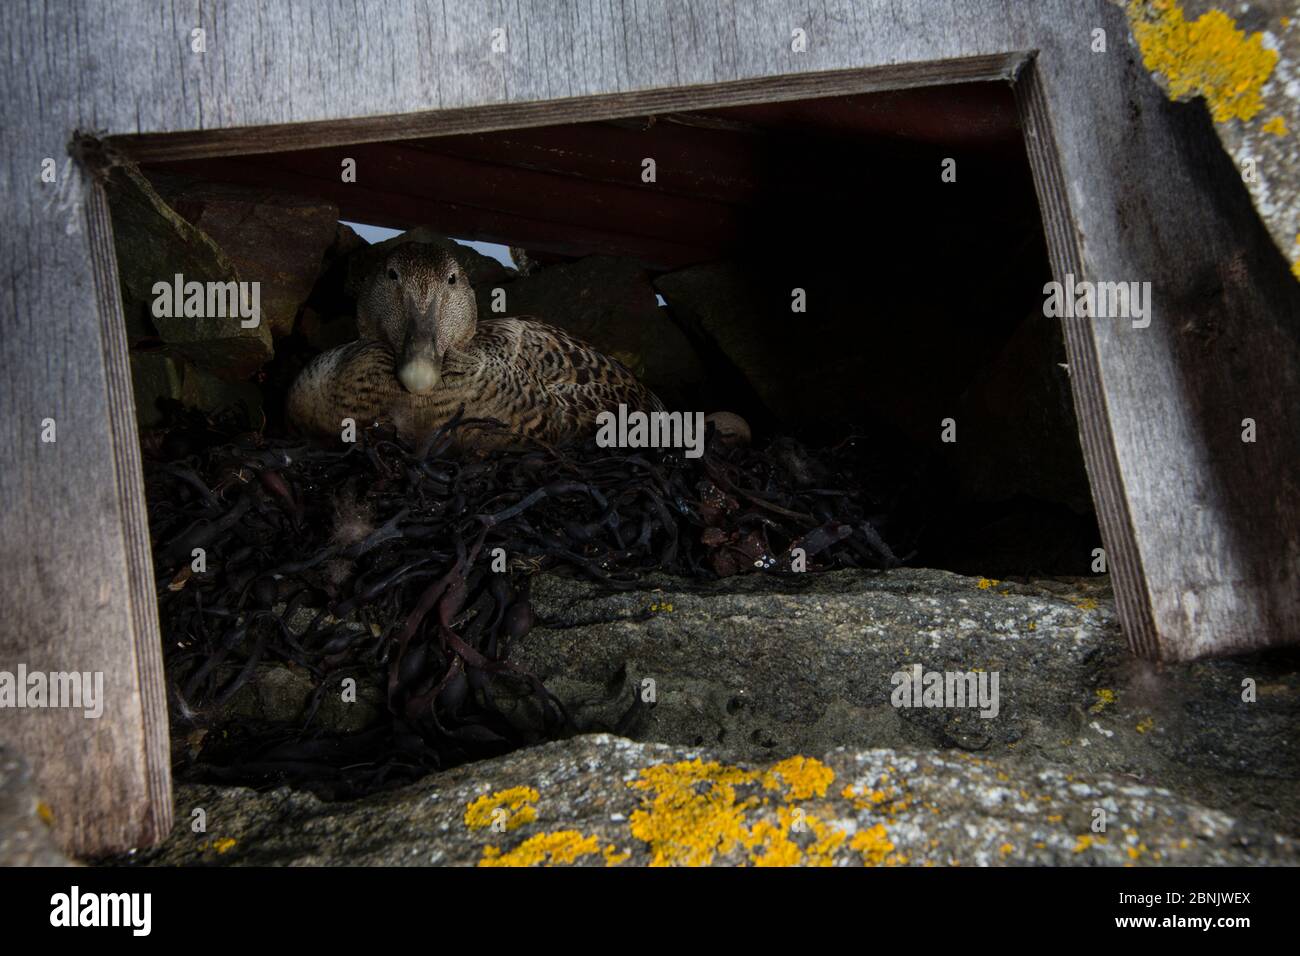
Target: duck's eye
column 451, row 279
column 392, row 274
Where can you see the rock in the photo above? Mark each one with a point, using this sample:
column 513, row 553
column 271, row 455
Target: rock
column 283, row 694
column 273, row 238
column 610, row 303
column 773, row 365
column 206, row 392
column 762, row 668
column 523, row 260
column 154, row 376
column 1246, row 66
column 329, row 318
column 25, row 835
column 154, row 244
column 602, row 800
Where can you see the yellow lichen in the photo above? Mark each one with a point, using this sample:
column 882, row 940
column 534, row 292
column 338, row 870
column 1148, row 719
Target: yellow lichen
column 1086, row 840
column 985, row 583
column 1105, row 697
column 1145, row 725
column 614, row 858
column 1276, row 126
column 45, row 813
column 804, row 777
column 1136, row 852
column 687, row 826
column 1086, row 604
column 483, row 812
column 1207, row 57
column 692, row 812
column 221, row 846
column 546, row 849
column 875, row 846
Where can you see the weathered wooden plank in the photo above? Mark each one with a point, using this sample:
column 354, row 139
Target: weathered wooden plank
column 1202, row 528
column 77, row 592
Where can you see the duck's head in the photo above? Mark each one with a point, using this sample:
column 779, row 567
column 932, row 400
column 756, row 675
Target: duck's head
column 420, row 305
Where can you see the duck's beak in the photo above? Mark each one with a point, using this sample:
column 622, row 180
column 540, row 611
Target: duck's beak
column 421, row 372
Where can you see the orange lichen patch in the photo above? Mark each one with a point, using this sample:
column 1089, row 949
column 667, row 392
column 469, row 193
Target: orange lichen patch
column 223, row 845
column 884, row 798
column 45, row 813
column 985, row 583
column 1006, row 850
column 1207, row 57
column 828, row 840
column 803, row 777
column 774, row 846
column 545, row 849
column 515, row 803
column 1105, row 697
column 693, row 814
column 614, row 858
column 1276, row 126
column 876, row 848
column 1086, row 840
column 1136, row 852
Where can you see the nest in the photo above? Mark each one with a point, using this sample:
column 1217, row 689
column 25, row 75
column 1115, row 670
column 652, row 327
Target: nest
column 415, row 563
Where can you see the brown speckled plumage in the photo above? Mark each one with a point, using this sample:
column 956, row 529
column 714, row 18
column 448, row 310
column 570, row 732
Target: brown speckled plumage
column 538, row 380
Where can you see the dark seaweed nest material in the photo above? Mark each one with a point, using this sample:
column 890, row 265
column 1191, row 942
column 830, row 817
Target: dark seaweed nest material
column 404, row 540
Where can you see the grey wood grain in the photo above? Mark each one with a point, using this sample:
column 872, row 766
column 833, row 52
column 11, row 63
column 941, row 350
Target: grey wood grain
column 1201, row 528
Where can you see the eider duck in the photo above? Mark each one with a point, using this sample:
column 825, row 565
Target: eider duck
column 423, row 354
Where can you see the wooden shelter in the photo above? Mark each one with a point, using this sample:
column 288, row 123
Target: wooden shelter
column 1202, row 529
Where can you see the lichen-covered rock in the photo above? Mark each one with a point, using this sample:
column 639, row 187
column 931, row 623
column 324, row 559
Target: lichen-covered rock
column 763, row 668
column 1244, row 59
column 767, row 667
column 25, row 835
column 606, row 801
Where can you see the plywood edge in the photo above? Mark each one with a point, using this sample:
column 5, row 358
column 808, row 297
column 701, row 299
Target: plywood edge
column 1128, row 576
column 154, row 819
column 159, row 147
